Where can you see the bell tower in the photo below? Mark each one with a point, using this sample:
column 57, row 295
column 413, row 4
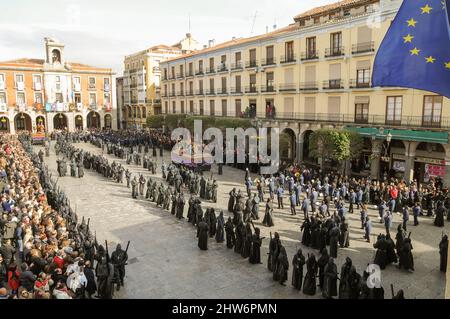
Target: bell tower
column 54, row 52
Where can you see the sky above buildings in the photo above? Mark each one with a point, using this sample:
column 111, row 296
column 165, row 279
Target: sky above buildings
column 102, row 32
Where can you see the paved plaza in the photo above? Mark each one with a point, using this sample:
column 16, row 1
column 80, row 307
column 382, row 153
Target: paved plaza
column 165, row 262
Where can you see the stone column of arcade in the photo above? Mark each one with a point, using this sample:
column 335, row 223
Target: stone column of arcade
column 377, row 146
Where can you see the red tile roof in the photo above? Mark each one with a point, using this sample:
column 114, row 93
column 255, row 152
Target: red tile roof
column 26, row 62
column 236, row 42
column 328, row 7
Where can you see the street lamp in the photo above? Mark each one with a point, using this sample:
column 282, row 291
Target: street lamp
column 388, row 141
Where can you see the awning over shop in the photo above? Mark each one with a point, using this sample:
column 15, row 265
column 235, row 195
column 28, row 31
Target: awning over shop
column 405, row 135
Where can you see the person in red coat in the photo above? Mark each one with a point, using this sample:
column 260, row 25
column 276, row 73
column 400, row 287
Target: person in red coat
column 59, row 261
column 13, row 279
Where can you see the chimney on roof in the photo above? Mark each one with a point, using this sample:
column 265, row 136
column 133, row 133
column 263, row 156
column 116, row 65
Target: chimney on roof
column 233, row 38
column 211, row 43
column 205, row 46
column 267, row 29
column 188, row 35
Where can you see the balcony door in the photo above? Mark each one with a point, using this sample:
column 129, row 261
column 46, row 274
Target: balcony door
column 432, row 111
column 336, row 43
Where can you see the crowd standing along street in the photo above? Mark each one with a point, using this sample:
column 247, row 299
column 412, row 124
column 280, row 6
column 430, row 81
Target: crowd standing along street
column 264, row 167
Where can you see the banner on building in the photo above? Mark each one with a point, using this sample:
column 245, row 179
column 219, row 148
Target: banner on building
column 398, row 166
column 433, row 171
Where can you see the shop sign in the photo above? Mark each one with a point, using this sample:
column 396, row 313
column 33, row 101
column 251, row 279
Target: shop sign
column 398, row 157
column 434, row 161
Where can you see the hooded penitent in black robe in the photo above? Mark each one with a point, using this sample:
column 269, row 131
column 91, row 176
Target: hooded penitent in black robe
column 406, row 259
column 330, row 280
column 232, row 201
column 381, row 254
column 283, row 266
column 231, row 237
column 400, row 237
column 334, row 238
column 440, row 213
column 321, row 263
column 344, row 283
column 255, row 254
column 390, row 250
column 297, row 270
column 238, row 244
column 272, row 247
column 212, row 223
column 180, row 207
column 202, row 234
column 309, row 286
column 220, row 228
column 268, row 217
column 247, row 241
column 443, row 251
column 306, row 236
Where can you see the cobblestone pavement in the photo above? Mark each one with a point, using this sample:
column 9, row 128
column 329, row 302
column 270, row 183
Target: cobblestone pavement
column 165, row 262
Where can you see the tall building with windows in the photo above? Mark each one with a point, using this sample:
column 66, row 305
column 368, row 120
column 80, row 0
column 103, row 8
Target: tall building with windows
column 54, row 94
column 142, row 80
column 316, row 73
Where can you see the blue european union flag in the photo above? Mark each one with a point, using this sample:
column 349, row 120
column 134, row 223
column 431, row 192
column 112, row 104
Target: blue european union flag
column 415, row 53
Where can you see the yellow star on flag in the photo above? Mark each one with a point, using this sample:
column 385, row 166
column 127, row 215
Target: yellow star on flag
column 447, row 65
column 426, row 9
column 430, row 59
column 408, row 38
column 411, row 22
column 414, row 51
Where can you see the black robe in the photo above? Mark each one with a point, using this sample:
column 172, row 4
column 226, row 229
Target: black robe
column 321, row 263
column 406, row 259
column 238, row 244
column 272, row 248
column 255, row 253
column 202, row 234
column 231, row 237
column 212, row 223
column 220, row 229
column 247, row 242
column 180, row 207
column 334, row 238
column 390, row 251
column 439, row 219
column 282, row 266
column 309, row 286
column 381, row 254
column 232, row 202
column 443, row 251
column 268, row 217
column 330, row 281
column 297, row 270
column 306, row 236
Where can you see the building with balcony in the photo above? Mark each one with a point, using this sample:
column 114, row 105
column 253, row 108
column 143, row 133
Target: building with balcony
column 54, row 94
column 315, row 73
column 142, row 80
